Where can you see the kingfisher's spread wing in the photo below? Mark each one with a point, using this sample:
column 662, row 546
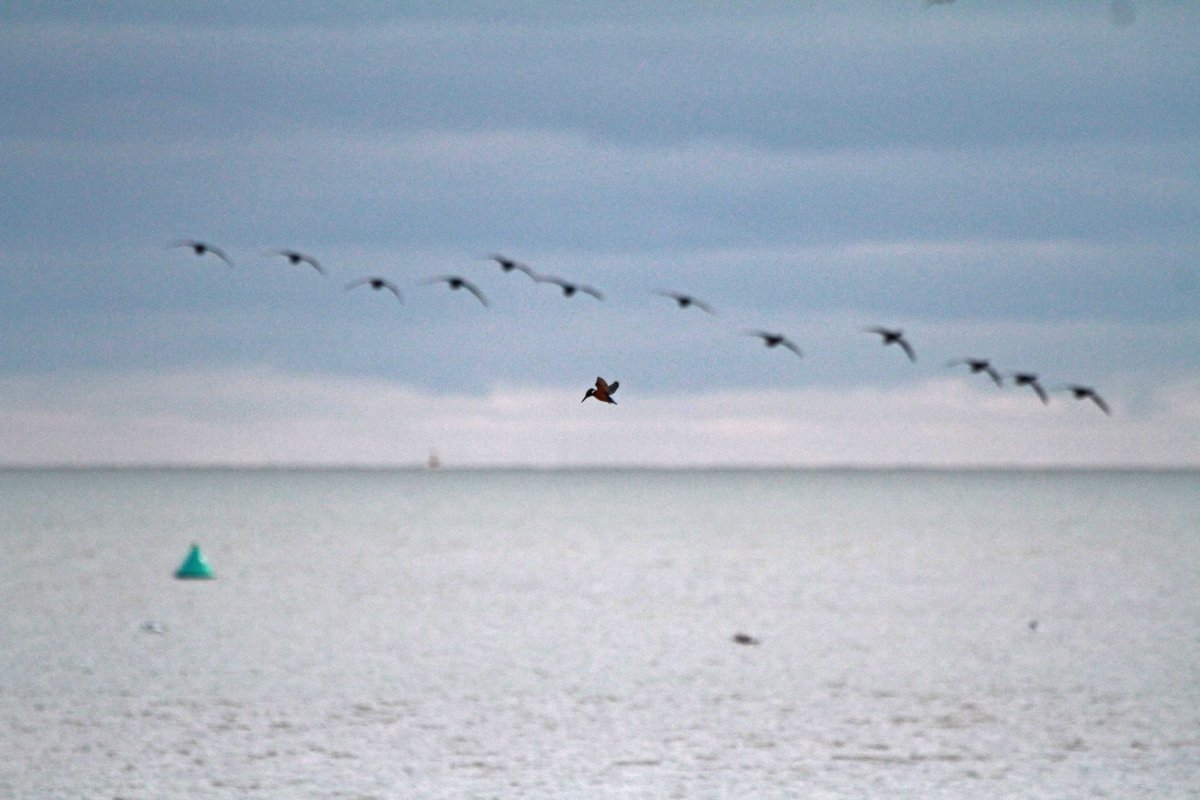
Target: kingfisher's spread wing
column 612, row 387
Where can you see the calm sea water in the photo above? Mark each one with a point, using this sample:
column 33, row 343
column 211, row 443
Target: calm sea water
column 511, row 634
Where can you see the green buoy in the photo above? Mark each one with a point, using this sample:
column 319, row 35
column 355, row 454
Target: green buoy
column 194, row 566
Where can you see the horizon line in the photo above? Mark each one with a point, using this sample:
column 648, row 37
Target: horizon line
column 418, row 466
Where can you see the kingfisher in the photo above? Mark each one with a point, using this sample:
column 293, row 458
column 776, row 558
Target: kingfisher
column 603, row 391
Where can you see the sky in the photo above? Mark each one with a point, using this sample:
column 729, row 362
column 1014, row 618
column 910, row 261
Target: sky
column 1018, row 181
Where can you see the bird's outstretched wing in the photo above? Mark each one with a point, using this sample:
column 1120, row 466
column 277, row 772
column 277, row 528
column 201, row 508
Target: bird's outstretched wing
column 219, row 253
column 790, row 345
column 907, row 348
column 1037, row 387
column 1099, row 401
column 473, row 289
column 612, row 387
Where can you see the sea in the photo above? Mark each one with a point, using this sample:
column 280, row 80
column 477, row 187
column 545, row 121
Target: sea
column 600, row 633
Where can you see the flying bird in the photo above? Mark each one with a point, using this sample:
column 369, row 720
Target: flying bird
column 1030, row 379
column 1088, row 393
column 568, row 288
column 200, row 248
column 603, row 391
column 296, row 257
column 978, row 365
column 456, row 283
column 685, row 300
column 894, row 336
column 775, row 340
column 376, row 284
column 508, row 264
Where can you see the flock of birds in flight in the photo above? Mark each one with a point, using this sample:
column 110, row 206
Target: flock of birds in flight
column 603, row 390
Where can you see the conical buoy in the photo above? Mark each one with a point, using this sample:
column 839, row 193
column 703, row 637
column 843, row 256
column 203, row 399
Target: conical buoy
column 194, row 566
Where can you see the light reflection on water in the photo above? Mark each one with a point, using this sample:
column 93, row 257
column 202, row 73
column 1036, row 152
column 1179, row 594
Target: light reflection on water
column 569, row 634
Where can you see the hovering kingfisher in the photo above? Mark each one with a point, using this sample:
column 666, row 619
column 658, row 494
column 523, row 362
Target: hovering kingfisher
column 603, row 391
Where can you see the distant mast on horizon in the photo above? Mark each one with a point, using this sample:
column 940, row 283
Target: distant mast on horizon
column 434, row 462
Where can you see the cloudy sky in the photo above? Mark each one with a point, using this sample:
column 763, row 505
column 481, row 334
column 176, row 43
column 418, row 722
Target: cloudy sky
column 1011, row 180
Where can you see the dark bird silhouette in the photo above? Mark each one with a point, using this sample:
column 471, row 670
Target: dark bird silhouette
column 685, row 300
column 456, row 283
column 568, row 289
column 744, row 638
column 296, row 257
column 1088, row 393
column 775, row 340
column 978, row 365
column 377, row 284
column 1030, row 379
column 200, row 248
column 603, row 391
column 894, row 336
column 508, row 264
